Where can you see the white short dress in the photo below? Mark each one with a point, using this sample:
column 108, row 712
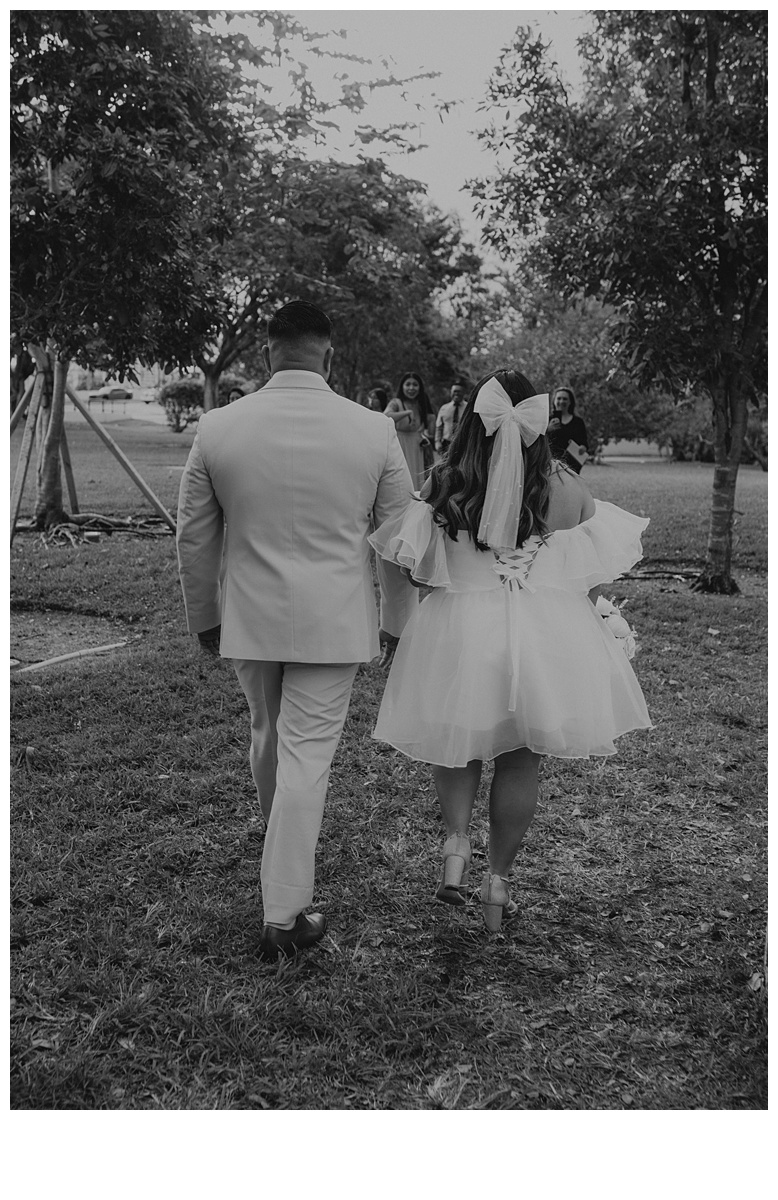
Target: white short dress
column 509, row 651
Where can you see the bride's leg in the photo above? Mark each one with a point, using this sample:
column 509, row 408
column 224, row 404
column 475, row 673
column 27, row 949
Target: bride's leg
column 457, row 788
column 512, row 802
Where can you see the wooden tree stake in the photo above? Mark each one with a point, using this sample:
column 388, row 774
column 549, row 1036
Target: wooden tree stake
column 67, row 467
column 18, row 412
column 26, row 451
column 122, row 459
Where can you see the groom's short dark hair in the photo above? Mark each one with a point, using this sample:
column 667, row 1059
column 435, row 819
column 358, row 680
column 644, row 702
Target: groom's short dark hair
column 297, row 320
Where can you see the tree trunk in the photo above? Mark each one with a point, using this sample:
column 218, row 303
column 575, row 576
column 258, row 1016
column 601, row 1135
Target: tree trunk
column 211, row 388
column 48, row 500
column 22, row 368
column 715, row 575
column 729, row 421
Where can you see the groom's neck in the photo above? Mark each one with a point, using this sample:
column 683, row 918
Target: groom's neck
column 299, row 355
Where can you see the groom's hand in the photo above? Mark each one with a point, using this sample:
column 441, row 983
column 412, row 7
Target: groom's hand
column 209, row 639
column 388, row 646
column 404, row 571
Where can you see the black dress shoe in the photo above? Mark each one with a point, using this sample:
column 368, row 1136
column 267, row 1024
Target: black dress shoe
column 306, row 931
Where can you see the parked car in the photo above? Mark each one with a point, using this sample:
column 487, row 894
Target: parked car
column 111, row 392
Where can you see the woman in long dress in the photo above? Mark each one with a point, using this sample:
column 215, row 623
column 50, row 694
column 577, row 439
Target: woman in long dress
column 414, row 420
column 507, row 658
column 567, row 436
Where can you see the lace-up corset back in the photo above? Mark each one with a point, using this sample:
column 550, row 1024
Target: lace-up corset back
column 514, row 569
column 473, row 570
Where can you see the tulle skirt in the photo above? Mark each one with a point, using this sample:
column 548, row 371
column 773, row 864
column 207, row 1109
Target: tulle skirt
column 478, row 673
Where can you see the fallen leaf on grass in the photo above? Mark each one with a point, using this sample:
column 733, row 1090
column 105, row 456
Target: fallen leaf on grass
column 755, row 982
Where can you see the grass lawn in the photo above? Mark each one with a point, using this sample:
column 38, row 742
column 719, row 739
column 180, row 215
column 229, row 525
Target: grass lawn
column 633, row 977
column 101, row 484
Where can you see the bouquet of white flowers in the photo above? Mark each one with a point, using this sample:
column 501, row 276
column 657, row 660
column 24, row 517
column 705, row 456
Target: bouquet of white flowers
column 619, row 627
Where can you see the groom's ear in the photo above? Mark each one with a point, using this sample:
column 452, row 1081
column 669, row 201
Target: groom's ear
column 266, row 358
column 328, row 360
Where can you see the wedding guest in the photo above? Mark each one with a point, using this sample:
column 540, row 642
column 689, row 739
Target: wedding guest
column 377, row 399
column 507, row 658
column 567, row 436
column 449, row 414
column 414, row 419
column 298, row 475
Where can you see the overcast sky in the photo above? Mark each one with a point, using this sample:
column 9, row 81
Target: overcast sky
column 463, row 45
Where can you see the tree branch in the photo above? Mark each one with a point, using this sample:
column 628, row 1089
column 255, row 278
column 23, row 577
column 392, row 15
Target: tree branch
column 712, row 44
column 688, row 30
column 755, row 325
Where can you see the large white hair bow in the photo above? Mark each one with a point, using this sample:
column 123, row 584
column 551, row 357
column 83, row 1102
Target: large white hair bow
column 511, row 425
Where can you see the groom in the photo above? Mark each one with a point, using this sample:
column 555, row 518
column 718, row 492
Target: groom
column 277, row 498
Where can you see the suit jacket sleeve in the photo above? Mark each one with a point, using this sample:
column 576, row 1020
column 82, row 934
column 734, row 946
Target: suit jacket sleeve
column 399, row 598
column 200, row 543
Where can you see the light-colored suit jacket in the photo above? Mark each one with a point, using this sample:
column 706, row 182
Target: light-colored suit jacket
column 277, row 498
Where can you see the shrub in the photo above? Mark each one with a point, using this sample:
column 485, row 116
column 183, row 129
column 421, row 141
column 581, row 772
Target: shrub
column 755, row 443
column 687, row 433
column 228, row 382
column 182, row 401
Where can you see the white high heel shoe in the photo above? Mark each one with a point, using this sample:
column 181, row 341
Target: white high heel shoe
column 452, row 888
column 496, row 901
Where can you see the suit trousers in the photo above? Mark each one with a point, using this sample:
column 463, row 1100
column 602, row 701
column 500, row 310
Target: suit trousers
column 297, row 716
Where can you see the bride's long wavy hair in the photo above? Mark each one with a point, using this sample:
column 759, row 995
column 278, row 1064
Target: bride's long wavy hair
column 456, row 486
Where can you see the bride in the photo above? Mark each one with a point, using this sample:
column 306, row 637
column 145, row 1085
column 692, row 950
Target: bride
column 507, row 658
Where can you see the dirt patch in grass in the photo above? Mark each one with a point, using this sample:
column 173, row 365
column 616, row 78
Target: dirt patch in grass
column 36, row 636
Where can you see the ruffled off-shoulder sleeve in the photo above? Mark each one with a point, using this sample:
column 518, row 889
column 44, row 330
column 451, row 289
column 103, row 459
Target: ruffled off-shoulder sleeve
column 596, row 551
column 416, row 542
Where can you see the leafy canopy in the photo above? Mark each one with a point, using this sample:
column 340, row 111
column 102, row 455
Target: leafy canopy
column 119, row 120
column 650, row 192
